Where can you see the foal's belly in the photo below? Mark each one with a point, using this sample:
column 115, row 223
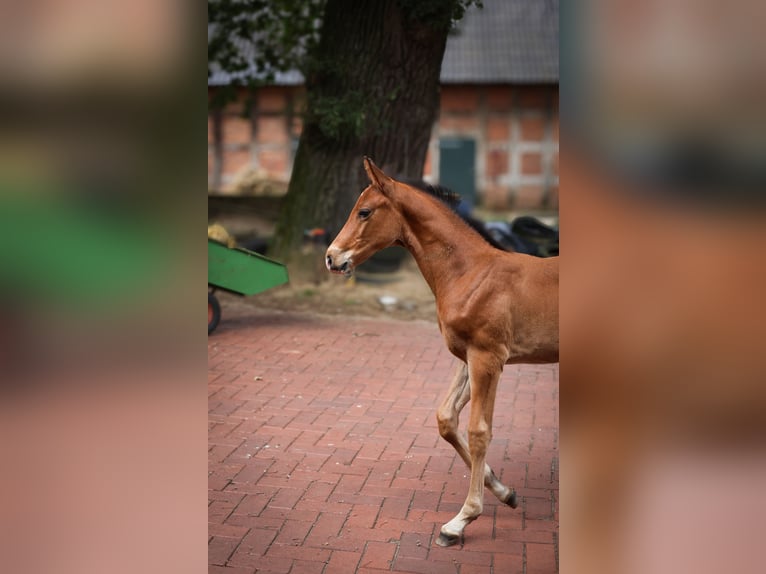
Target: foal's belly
column 511, row 352
column 540, row 356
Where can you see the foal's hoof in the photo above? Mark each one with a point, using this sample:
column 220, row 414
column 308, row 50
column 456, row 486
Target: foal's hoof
column 447, row 539
column 512, row 501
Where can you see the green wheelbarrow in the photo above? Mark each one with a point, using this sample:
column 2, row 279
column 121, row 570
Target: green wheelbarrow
column 239, row 271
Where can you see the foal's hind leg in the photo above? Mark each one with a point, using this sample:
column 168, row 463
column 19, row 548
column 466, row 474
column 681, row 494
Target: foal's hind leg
column 448, row 418
column 484, row 375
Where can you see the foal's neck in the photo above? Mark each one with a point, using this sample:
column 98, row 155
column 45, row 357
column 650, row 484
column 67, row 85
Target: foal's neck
column 444, row 247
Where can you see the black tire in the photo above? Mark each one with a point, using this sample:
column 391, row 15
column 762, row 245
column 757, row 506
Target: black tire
column 213, row 312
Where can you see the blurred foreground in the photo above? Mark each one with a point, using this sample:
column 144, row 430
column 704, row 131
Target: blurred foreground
column 663, row 323
column 102, row 380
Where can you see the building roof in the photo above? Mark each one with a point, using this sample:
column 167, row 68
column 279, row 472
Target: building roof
column 505, row 42
column 220, row 78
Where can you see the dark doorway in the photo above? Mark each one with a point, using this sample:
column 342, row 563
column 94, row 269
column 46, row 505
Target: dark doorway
column 457, row 166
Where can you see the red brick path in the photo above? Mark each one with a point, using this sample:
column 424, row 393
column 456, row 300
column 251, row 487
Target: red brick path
column 324, row 455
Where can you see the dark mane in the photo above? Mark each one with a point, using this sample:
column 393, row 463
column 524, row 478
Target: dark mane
column 451, row 199
column 443, row 194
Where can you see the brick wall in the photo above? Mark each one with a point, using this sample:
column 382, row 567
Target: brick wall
column 255, row 133
column 515, row 129
column 516, row 134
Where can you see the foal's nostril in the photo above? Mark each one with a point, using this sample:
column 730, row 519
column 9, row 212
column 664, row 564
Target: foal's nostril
column 344, row 267
column 329, row 260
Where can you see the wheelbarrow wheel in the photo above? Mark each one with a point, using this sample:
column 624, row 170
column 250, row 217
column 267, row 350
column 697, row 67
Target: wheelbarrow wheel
column 213, row 312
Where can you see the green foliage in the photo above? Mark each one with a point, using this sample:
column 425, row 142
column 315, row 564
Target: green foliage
column 339, row 116
column 255, row 39
column 441, row 13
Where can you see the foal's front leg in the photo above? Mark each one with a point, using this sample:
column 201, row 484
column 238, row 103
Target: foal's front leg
column 448, row 418
column 484, row 372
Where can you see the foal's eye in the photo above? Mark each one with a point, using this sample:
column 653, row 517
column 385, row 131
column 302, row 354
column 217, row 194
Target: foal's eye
column 364, row 213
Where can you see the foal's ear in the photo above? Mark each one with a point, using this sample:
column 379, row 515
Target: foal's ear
column 376, row 175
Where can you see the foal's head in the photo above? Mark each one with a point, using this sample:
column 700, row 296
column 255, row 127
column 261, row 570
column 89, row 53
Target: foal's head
column 374, row 223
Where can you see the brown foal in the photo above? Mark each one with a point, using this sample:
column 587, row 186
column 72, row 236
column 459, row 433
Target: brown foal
column 494, row 308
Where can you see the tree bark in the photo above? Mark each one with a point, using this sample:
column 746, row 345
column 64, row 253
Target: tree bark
column 372, row 89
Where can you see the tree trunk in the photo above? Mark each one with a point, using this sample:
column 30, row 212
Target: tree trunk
column 372, row 89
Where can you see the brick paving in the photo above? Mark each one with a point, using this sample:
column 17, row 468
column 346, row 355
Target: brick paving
column 324, row 456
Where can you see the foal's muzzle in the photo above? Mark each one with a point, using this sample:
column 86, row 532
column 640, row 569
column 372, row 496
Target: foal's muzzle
column 338, row 261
